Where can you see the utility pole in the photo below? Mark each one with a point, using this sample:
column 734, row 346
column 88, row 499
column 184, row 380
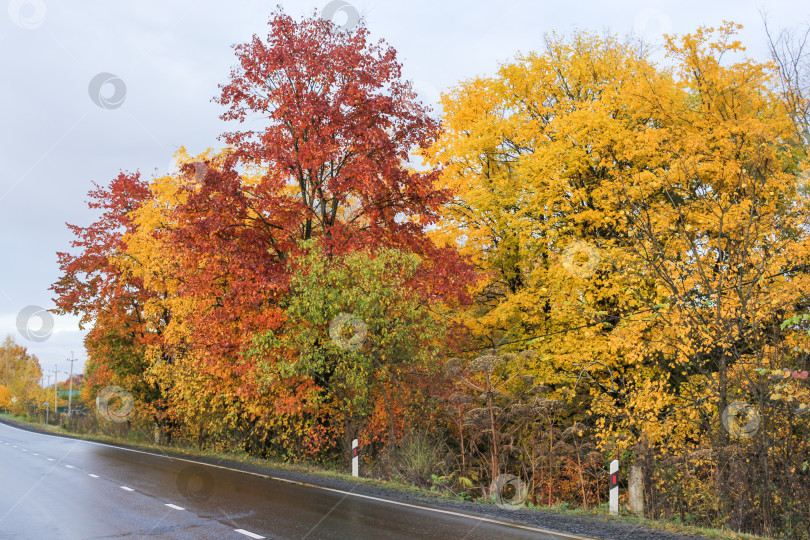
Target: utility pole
column 47, row 405
column 70, row 393
column 55, row 387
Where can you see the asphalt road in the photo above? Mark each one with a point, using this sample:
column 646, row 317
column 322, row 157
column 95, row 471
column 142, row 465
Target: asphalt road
column 54, row 487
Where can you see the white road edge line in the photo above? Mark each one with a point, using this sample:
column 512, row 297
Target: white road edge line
column 324, row 488
column 125, row 488
column 459, row 514
column 175, row 506
column 143, row 452
column 248, row 533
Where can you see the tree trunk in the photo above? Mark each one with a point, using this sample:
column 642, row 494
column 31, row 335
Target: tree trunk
column 581, row 480
column 494, row 457
column 636, row 490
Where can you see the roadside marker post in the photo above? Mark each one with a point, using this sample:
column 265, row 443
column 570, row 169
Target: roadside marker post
column 614, row 487
column 355, row 459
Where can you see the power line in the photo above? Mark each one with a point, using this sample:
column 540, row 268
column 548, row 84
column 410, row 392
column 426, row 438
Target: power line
column 70, row 392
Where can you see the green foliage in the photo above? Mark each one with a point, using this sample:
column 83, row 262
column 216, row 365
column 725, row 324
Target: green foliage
column 357, row 326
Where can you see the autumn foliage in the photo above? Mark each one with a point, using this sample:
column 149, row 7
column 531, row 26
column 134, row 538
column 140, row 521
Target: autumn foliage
column 20, row 374
column 600, row 257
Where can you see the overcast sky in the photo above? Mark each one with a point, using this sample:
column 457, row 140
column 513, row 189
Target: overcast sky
column 170, row 56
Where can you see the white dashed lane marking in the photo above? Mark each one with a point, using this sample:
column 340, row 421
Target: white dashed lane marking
column 170, row 505
column 248, row 533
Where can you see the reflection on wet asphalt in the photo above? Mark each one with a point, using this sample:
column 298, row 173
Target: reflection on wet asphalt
column 53, row 487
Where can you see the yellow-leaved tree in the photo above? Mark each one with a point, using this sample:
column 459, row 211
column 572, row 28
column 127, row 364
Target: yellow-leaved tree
column 641, row 230
column 20, row 373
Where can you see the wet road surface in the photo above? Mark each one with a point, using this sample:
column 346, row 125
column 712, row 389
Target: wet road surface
column 54, row 487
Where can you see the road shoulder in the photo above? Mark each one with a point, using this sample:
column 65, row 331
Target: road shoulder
column 596, row 526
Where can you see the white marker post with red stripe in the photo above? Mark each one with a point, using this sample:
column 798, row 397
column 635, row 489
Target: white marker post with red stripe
column 355, row 459
column 614, row 487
